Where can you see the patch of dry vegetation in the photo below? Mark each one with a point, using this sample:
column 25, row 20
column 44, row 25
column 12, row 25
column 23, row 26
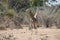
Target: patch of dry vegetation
column 7, row 36
column 9, row 18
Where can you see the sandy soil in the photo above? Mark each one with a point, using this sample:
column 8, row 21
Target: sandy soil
column 38, row 34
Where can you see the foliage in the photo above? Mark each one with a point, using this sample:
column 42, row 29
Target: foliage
column 9, row 12
column 36, row 2
column 20, row 4
column 17, row 4
column 22, row 7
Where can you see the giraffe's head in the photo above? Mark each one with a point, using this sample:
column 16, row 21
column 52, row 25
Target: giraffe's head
column 31, row 14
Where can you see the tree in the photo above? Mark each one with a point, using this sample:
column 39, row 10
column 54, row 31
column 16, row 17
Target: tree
column 18, row 4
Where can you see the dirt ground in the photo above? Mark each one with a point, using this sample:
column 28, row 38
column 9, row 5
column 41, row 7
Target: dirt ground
column 35, row 34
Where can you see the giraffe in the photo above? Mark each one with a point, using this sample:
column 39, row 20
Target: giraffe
column 33, row 20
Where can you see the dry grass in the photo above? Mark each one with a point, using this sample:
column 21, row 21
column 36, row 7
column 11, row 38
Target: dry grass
column 35, row 34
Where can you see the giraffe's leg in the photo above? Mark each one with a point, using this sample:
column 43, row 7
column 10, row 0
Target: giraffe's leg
column 34, row 25
column 30, row 27
column 36, row 31
column 32, row 30
column 30, row 24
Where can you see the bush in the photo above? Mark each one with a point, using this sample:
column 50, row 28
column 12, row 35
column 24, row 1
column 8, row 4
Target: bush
column 9, row 12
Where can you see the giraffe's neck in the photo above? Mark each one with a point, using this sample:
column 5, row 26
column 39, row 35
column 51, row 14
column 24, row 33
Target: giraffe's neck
column 35, row 16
